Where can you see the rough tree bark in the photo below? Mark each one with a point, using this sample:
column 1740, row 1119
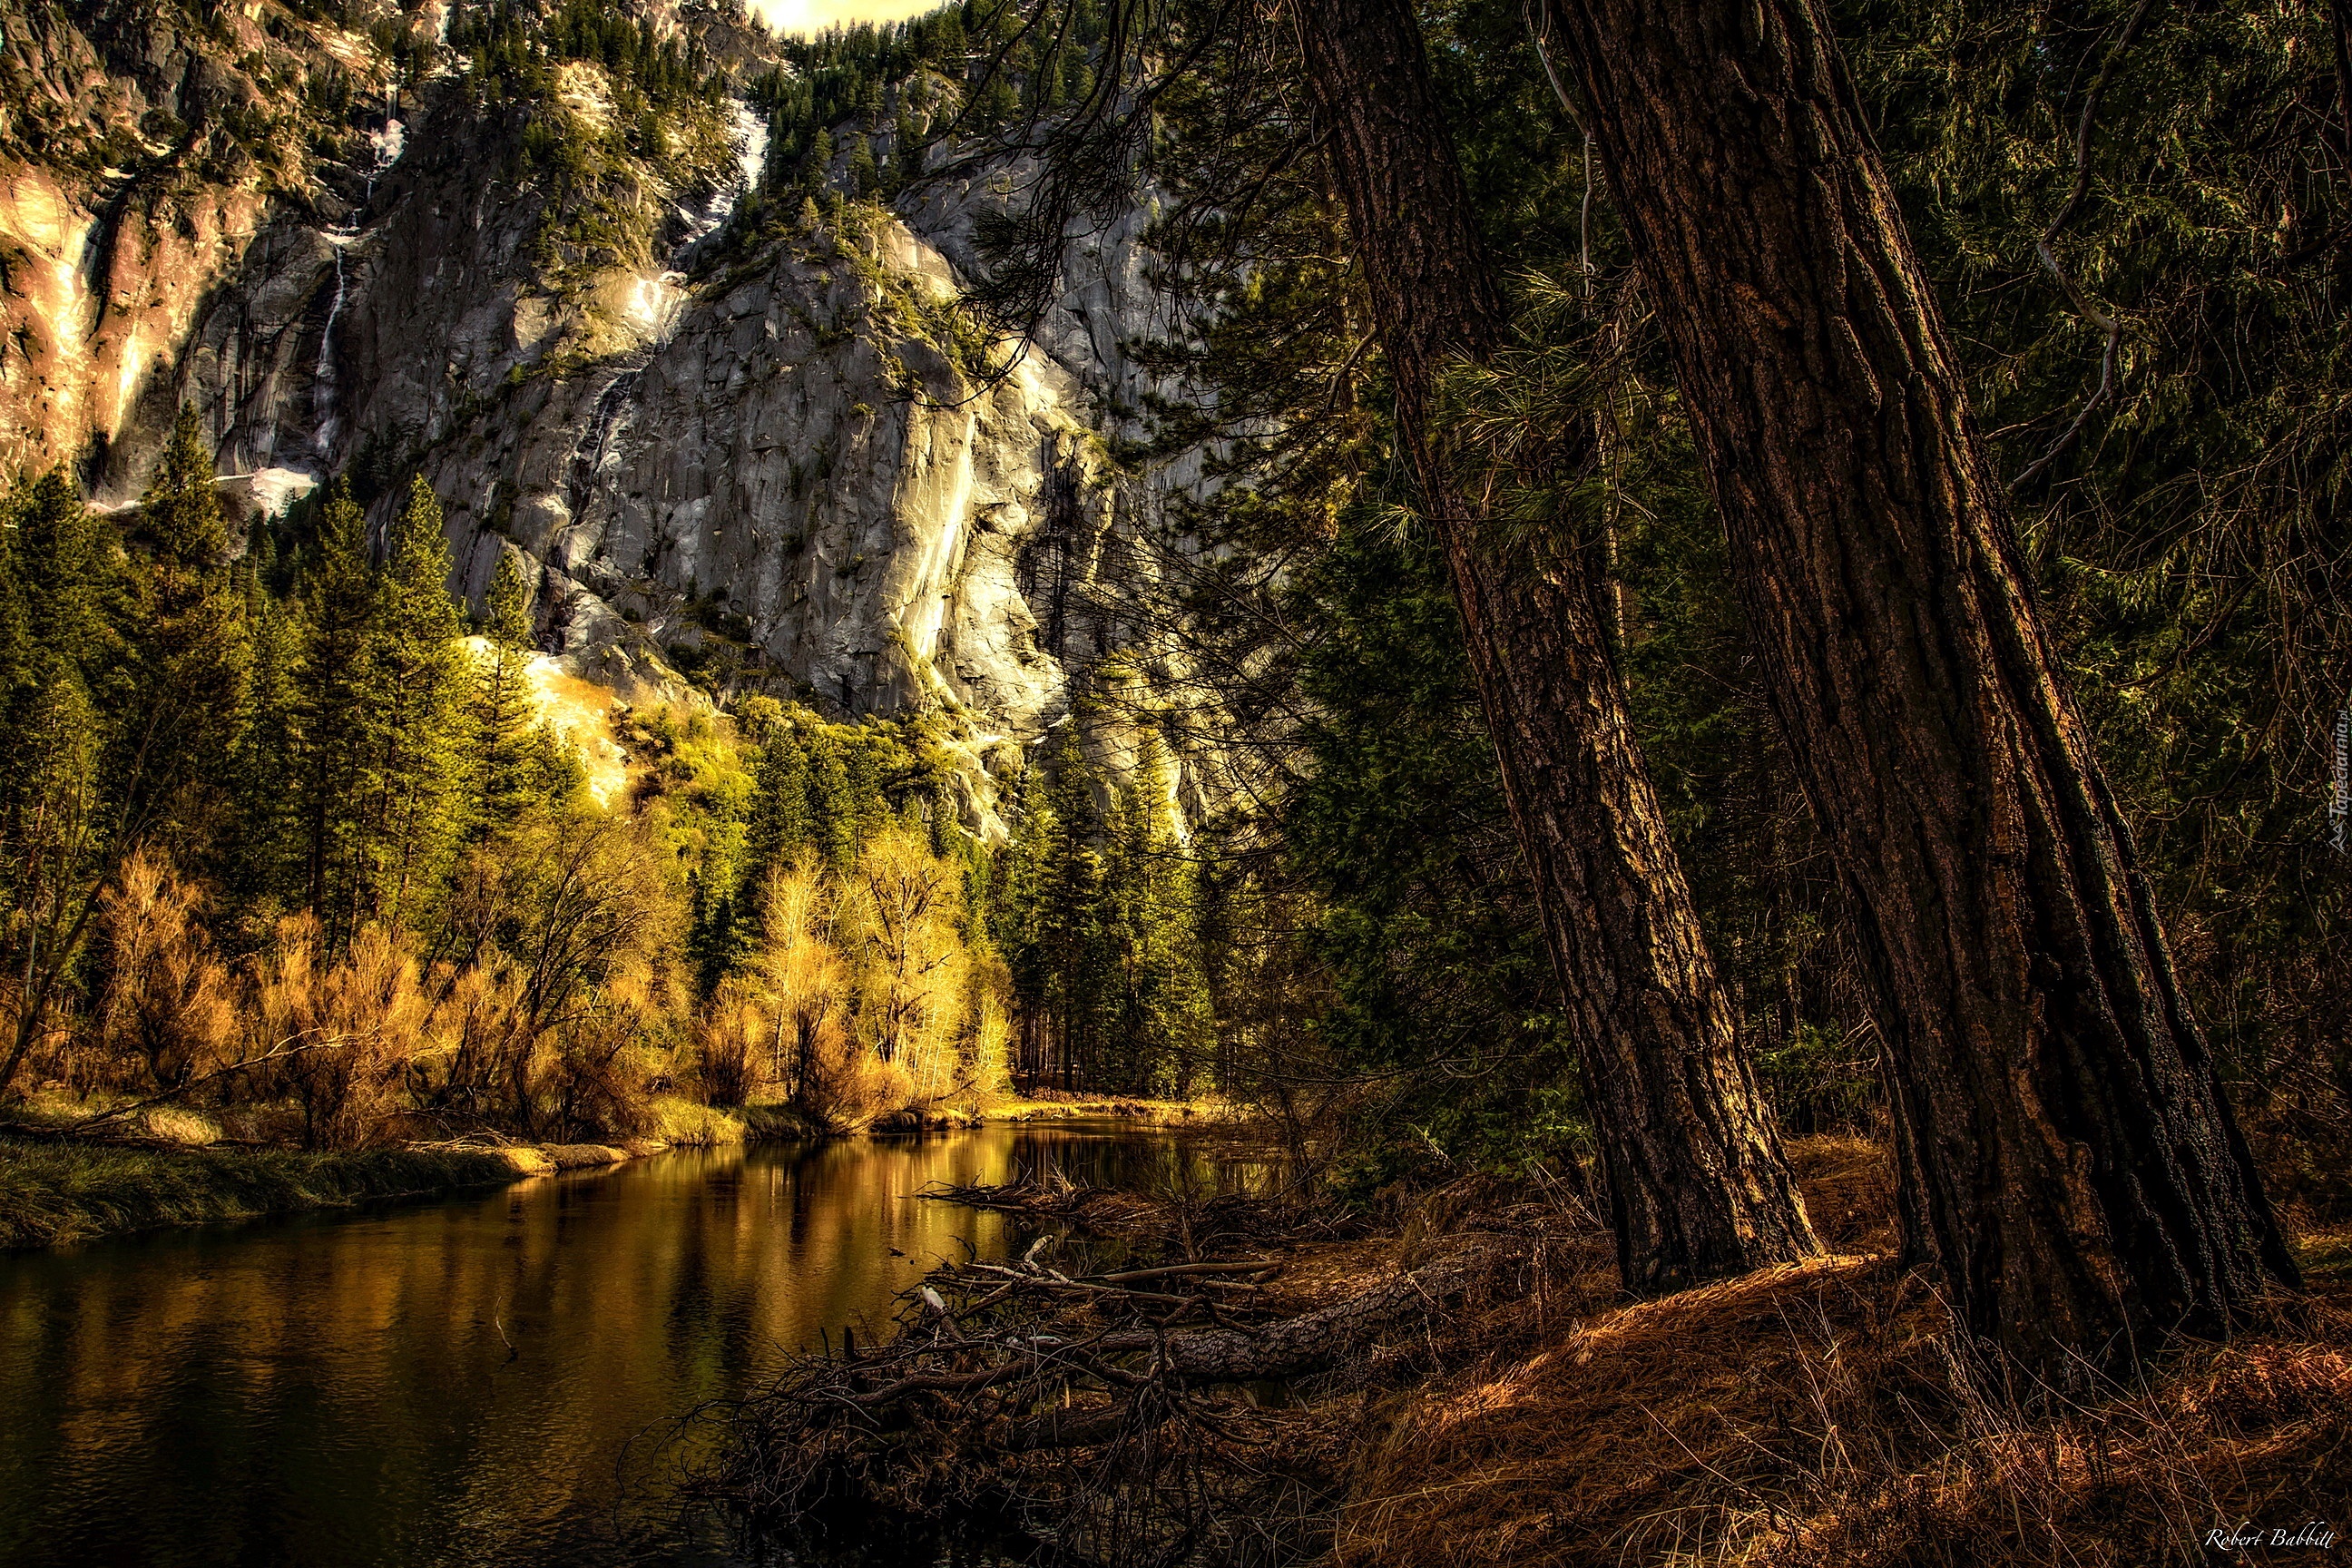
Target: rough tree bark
column 2066, row 1154
column 1697, row 1180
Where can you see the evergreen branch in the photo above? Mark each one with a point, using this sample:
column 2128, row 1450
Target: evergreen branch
column 2044, row 249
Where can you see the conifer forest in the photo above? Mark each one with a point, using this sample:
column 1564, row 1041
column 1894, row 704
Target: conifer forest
column 1151, row 783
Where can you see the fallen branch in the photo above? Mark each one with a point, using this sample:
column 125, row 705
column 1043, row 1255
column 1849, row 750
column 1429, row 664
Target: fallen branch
column 1257, row 1267
column 277, row 1052
column 1310, row 1342
column 1115, row 1407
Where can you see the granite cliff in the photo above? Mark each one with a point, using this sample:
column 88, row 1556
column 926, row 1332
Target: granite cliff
column 744, row 439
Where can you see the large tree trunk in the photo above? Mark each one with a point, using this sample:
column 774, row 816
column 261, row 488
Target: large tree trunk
column 1697, row 1180
column 2066, row 1154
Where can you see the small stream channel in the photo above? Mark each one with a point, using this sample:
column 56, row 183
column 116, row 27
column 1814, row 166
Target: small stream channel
column 339, row 1389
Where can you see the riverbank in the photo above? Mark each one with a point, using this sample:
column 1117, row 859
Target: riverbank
column 1465, row 1382
column 1054, row 1106
column 169, row 1166
column 53, row 1191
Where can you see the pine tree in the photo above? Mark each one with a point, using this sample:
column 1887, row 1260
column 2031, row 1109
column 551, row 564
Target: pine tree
column 269, row 859
column 1423, row 910
column 1187, row 1004
column 54, row 573
column 951, row 43
column 721, row 928
column 1130, row 1044
column 730, row 886
column 781, row 820
column 257, row 567
column 55, row 847
column 181, row 513
column 504, row 754
column 862, row 764
column 334, row 746
column 1155, row 1011
column 18, row 599
column 907, row 148
column 1016, row 917
column 940, row 819
column 416, row 674
column 56, row 645
column 1698, row 1184
column 1070, row 924
column 190, row 655
column 833, row 806
column 2065, row 1153
column 1165, row 1006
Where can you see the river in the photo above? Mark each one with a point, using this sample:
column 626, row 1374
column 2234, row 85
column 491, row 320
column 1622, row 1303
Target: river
column 487, row 1379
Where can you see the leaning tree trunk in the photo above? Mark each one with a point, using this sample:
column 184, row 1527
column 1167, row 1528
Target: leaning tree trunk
column 1697, row 1185
column 2066, row 1154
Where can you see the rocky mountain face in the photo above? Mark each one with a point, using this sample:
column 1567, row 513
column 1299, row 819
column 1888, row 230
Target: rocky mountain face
column 741, row 439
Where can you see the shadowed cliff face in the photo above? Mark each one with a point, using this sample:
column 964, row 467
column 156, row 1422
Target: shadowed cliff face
column 735, row 444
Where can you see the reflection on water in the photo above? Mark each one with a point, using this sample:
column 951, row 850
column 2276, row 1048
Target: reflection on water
column 460, row 1382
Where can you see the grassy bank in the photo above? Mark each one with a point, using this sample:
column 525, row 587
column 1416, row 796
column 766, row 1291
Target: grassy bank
column 53, row 1192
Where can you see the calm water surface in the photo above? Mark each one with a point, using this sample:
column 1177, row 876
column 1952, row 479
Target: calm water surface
column 339, row 1390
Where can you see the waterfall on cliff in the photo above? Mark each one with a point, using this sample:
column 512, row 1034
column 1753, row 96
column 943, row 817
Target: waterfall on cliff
column 385, row 147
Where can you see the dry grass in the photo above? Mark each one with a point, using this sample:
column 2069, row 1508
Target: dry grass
column 171, row 1124
column 1818, row 1414
column 582, row 1156
column 1849, row 1191
column 682, row 1124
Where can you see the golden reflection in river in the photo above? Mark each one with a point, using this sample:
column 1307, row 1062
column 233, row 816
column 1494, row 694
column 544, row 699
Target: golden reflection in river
column 342, row 1390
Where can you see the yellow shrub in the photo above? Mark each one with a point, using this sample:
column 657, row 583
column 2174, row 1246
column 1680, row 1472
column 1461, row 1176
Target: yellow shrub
column 169, row 1011
column 344, row 1029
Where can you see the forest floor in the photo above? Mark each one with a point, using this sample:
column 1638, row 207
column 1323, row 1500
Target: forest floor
column 1823, row 1414
column 1456, row 1379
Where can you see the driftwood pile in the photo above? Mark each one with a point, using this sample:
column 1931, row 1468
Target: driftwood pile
column 1145, row 1382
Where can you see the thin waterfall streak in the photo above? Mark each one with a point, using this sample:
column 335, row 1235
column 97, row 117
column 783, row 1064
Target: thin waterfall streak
column 384, row 149
column 323, row 396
